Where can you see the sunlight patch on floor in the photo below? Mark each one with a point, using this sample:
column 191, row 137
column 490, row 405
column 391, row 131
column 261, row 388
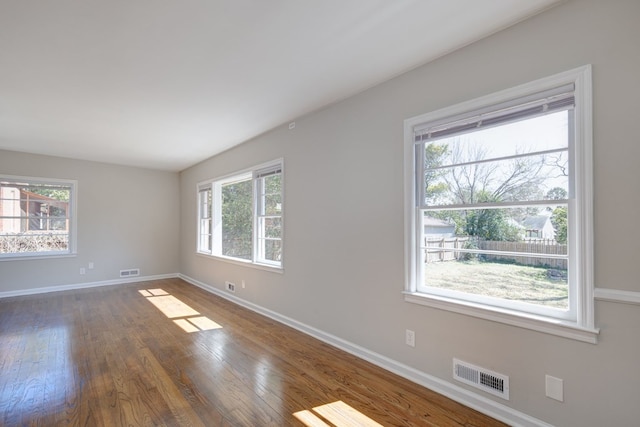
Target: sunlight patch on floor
column 336, row 414
column 182, row 315
column 172, row 307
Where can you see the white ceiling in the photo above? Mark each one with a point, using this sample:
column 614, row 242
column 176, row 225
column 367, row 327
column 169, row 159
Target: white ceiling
column 165, row 84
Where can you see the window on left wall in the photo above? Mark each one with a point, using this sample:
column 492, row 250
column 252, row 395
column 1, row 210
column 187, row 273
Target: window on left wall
column 37, row 217
column 240, row 216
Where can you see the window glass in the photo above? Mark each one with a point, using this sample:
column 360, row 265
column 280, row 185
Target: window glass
column 237, row 219
column 35, row 217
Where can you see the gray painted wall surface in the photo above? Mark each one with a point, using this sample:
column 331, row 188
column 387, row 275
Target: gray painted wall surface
column 344, row 217
column 127, row 218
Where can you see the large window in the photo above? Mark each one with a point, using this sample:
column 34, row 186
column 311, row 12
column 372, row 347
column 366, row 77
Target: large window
column 499, row 206
column 36, row 217
column 240, row 216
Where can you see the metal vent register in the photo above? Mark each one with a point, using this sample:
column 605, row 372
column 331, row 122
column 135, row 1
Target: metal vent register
column 481, row 378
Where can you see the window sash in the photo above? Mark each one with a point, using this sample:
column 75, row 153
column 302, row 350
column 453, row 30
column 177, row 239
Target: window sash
column 262, row 216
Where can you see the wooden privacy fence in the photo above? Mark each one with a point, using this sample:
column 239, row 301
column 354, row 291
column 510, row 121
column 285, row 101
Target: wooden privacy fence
column 444, row 249
column 440, row 249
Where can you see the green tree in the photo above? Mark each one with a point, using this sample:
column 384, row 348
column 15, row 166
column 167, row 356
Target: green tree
column 237, row 219
column 434, row 186
column 491, row 224
column 559, row 221
column 56, row 193
column 557, row 193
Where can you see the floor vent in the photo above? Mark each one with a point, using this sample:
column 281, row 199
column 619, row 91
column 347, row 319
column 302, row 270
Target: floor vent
column 483, row 379
column 130, row 273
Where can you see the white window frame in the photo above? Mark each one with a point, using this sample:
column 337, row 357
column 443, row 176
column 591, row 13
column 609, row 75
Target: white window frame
column 210, row 227
column 580, row 323
column 71, row 217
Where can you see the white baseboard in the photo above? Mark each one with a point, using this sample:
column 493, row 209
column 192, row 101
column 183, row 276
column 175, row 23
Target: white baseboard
column 450, row 390
column 85, row 285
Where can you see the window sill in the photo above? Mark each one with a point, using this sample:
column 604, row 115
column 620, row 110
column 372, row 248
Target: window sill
column 250, row 264
column 545, row 325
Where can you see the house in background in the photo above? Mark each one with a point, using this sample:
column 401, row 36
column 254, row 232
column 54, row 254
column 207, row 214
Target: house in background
column 438, row 228
column 22, row 211
column 538, row 227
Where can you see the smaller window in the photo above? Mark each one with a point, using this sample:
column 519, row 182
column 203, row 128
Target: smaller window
column 240, row 216
column 36, row 217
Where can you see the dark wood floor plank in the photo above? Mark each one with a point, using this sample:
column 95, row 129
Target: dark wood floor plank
column 109, row 357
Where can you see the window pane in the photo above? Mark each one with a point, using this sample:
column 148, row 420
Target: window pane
column 523, row 282
column 237, row 219
column 272, row 250
column 271, row 197
column 518, row 179
column 272, row 204
column 549, row 132
column 515, row 254
column 34, row 217
column 205, row 235
column 521, row 224
column 205, row 203
column 272, row 227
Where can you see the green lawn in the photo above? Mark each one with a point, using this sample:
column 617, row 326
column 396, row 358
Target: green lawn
column 535, row 285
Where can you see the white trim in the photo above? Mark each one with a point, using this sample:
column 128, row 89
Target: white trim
column 452, row 391
column 47, row 289
column 532, row 322
column 617, row 295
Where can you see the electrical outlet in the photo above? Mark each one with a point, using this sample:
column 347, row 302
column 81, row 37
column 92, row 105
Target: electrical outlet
column 91, row 265
column 82, row 270
column 410, row 338
column 231, row 287
column 243, row 284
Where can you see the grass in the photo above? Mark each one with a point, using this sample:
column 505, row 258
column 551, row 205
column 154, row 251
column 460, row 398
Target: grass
column 534, row 285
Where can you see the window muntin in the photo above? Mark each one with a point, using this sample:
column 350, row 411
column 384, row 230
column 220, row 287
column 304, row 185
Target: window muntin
column 461, row 201
column 240, row 216
column 36, row 217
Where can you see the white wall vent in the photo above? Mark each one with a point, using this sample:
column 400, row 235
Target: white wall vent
column 130, row 273
column 483, row 379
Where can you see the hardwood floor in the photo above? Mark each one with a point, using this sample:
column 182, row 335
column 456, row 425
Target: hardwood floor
column 122, row 356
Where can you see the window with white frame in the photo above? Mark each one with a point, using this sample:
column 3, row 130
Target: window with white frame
column 499, row 206
column 36, row 217
column 240, row 216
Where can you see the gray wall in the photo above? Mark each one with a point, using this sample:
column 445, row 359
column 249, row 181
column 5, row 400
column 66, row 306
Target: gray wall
column 127, row 218
column 344, row 217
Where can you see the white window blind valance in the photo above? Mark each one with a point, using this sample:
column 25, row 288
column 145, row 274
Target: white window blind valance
column 557, row 99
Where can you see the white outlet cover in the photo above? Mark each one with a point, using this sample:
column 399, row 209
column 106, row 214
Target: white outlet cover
column 410, row 338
